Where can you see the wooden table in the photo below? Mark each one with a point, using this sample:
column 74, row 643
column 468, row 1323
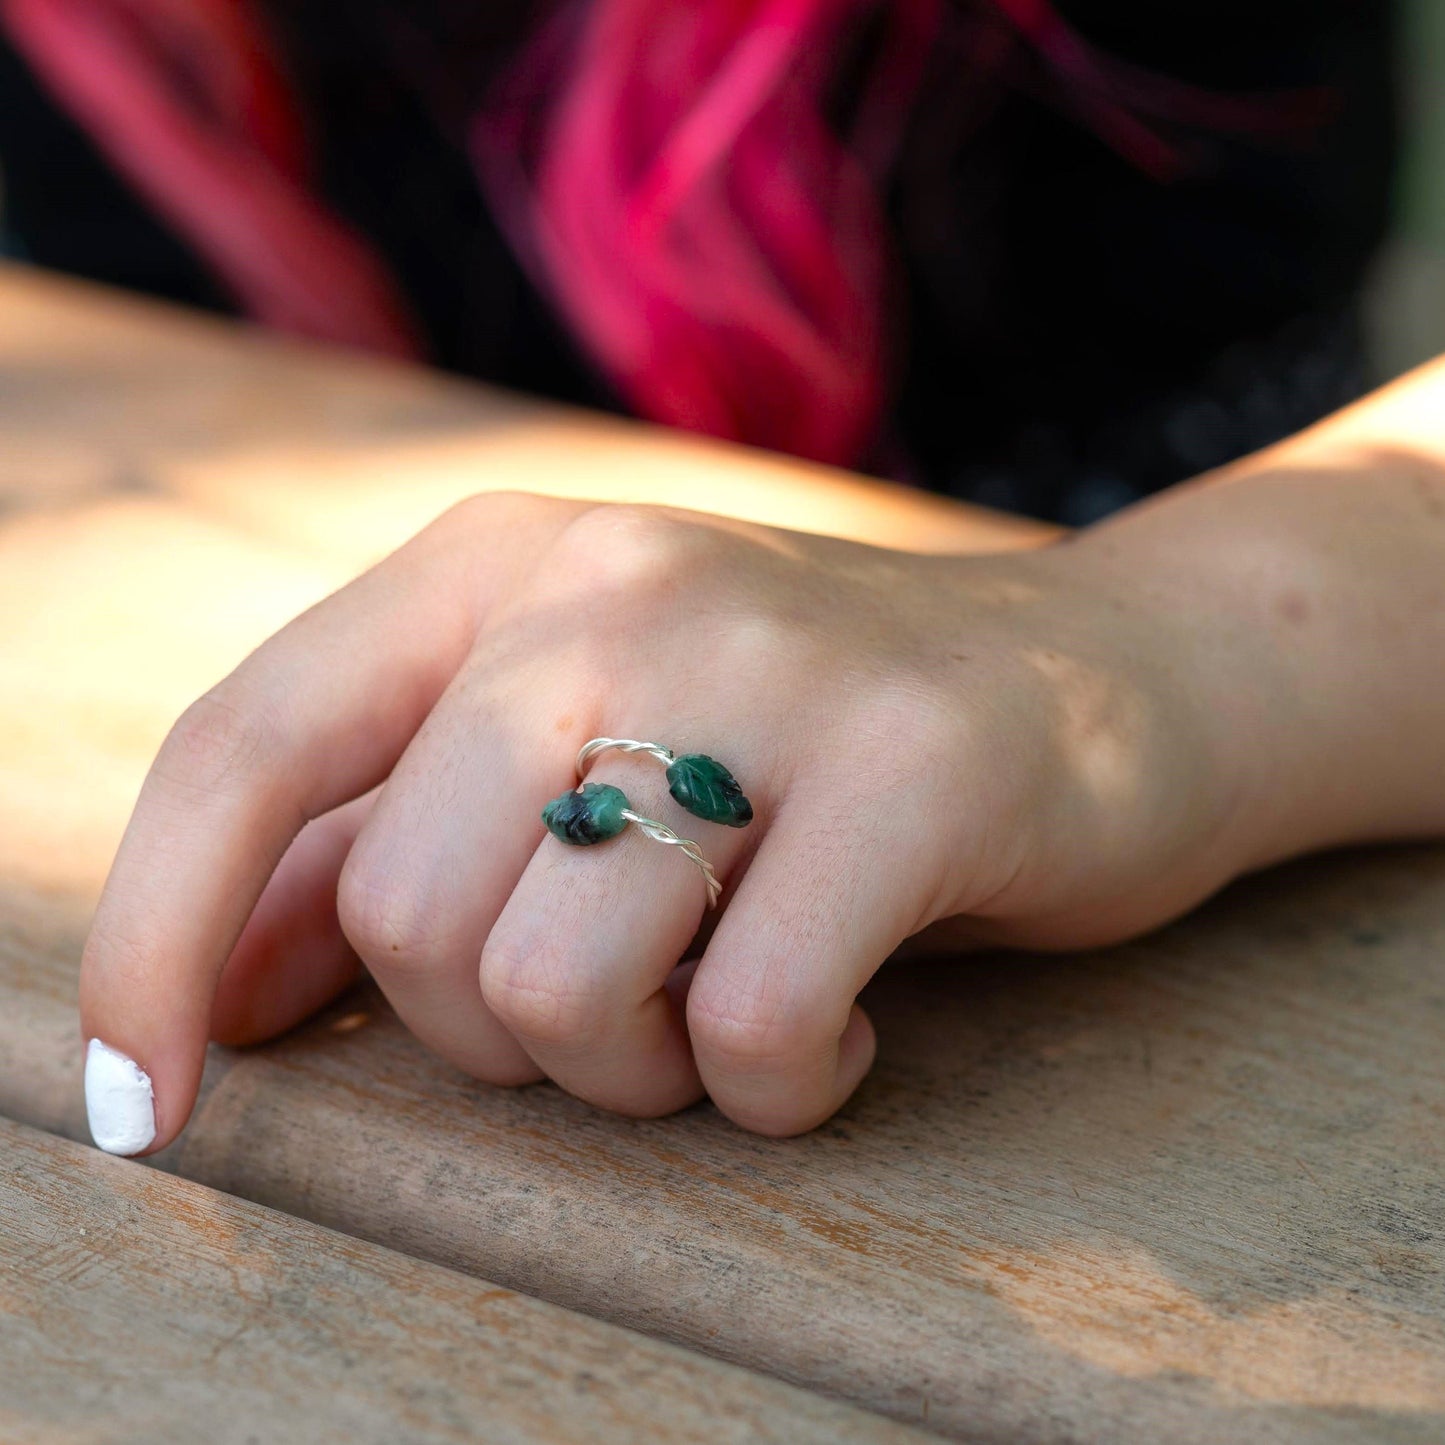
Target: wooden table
column 150, row 1308
column 1186, row 1190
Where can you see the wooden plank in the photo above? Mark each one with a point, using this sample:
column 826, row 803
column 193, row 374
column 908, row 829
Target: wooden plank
column 1187, row 1190
column 138, row 1307
column 103, row 395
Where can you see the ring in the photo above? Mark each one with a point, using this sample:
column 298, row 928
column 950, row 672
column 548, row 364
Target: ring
column 594, row 812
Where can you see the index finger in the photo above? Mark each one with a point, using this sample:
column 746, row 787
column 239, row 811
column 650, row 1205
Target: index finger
column 314, row 717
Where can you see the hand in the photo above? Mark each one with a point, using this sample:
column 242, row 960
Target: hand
column 991, row 739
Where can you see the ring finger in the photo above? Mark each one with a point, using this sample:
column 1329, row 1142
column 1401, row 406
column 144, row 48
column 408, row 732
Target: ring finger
column 577, row 963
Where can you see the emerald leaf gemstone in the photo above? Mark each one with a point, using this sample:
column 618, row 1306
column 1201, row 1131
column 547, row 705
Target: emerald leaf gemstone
column 707, row 790
column 592, row 816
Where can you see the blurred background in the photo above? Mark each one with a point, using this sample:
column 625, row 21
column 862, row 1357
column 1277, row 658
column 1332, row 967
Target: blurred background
column 1408, row 301
column 1071, row 344
column 1408, row 305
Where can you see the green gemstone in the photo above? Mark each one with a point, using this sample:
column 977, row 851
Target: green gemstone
column 707, row 790
column 592, row 816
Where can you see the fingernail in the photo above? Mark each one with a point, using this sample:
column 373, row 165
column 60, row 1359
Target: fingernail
column 119, row 1100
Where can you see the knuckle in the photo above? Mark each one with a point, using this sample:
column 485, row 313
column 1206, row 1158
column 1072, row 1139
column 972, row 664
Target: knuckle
column 472, row 526
column 486, row 511
column 387, row 920
column 752, row 1031
column 626, row 550
column 533, row 997
column 220, row 744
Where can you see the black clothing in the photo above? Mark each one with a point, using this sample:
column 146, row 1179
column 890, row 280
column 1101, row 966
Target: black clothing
column 1076, row 333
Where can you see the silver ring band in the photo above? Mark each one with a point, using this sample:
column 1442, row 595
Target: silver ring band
column 595, row 812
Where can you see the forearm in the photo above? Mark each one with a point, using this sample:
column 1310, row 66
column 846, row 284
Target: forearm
column 1308, row 585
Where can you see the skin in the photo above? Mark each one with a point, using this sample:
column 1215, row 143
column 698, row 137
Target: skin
column 1052, row 749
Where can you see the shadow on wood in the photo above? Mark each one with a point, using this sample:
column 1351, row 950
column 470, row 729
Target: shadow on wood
column 1188, row 1189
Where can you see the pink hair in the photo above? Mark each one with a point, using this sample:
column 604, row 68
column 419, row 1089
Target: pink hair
column 668, row 171
column 698, row 220
column 187, row 101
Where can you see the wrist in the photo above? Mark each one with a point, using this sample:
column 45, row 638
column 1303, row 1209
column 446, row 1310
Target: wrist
column 1303, row 590
column 1200, row 610
column 1126, row 800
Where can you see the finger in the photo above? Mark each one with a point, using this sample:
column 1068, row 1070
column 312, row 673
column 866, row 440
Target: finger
column 292, row 957
column 779, row 1041
column 579, row 962
column 315, row 717
column 452, row 832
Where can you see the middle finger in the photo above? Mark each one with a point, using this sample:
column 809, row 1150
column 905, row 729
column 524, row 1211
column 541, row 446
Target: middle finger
column 577, row 963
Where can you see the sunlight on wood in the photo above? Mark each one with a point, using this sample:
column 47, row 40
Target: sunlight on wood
column 1117, row 1309
column 113, row 618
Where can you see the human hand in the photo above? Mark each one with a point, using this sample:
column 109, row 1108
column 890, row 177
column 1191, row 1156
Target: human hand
column 1009, row 742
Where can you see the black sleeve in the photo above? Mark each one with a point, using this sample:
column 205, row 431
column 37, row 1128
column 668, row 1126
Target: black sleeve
column 65, row 208
column 1083, row 327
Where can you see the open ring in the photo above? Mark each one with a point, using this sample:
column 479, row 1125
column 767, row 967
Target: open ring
column 700, row 783
column 594, row 812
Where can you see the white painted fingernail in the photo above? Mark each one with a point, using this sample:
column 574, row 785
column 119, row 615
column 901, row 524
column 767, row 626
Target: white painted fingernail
column 119, row 1100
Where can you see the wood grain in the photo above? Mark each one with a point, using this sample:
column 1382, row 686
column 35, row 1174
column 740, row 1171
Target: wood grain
column 137, row 1307
column 1188, row 1190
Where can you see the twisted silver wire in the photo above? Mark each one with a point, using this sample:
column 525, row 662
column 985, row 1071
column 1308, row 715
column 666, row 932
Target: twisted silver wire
column 623, row 745
column 661, row 833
